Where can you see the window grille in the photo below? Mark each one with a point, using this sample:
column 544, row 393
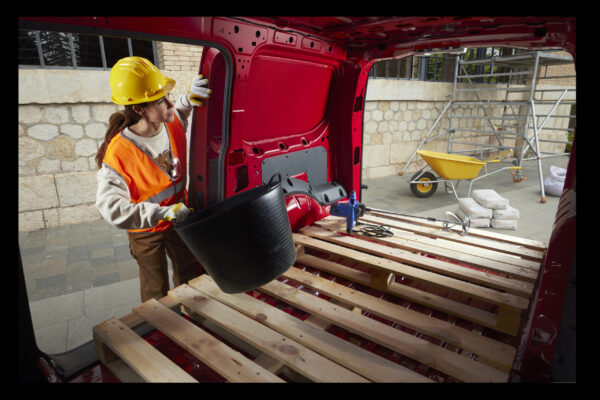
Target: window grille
column 61, row 50
column 436, row 67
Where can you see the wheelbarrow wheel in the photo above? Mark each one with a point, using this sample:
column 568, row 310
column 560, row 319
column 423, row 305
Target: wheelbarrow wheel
column 424, row 187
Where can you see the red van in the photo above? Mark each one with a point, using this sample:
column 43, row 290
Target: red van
column 289, row 97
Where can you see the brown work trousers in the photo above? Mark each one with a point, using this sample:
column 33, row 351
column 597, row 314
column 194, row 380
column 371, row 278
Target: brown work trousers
column 150, row 250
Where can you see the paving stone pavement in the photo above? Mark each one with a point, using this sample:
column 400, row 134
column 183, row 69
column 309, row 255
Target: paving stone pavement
column 80, row 275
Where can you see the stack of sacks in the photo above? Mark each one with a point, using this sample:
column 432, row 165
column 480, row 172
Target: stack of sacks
column 503, row 215
column 487, row 208
column 480, row 216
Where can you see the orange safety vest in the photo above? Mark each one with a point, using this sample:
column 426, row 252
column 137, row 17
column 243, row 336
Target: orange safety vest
column 146, row 180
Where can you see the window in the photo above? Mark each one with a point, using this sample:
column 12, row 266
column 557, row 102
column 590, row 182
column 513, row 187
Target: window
column 438, row 67
column 483, row 53
column 393, row 69
column 44, row 49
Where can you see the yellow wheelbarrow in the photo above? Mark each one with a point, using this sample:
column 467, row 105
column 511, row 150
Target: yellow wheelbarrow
column 450, row 167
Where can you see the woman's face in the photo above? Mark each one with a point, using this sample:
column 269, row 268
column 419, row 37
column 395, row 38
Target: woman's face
column 159, row 111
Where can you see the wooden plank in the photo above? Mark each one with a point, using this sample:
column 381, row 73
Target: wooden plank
column 514, row 286
column 132, row 320
column 118, row 367
column 492, row 352
column 123, row 372
column 418, row 296
column 147, row 362
column 443, row 243
column 296, row 356
column 227, row 362
column 515, row 272
column 435, row 229
column 475, row 256
column 436, row 357
column 488, row 234
column 359, row 360
column 472, row 290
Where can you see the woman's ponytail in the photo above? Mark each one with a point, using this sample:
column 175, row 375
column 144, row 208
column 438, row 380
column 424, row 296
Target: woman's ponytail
column 116, row 123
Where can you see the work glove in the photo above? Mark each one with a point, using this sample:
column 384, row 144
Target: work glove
column 177, row 211
column 198, row 91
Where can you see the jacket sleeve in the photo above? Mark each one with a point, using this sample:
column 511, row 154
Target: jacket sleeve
column 183, row 112
column 113, row 203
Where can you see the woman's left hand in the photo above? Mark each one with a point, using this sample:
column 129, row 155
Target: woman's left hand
column 198, row 91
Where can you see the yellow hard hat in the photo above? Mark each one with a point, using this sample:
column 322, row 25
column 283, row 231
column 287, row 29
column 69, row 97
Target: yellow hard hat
column 135, row 80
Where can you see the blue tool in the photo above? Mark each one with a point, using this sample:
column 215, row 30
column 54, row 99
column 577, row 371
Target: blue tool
column 351, row 210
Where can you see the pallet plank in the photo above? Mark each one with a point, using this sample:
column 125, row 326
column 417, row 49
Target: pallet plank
column 147, row 362
column 442, row 243
column 446, row 361
column 361, row 361
column 476, row 237
column 484, row 233
column 514, row 286
column 296, row 356
column 227, row 362
column 418, row 296
column 469, row 289
column 471, row 255
column 492, row 352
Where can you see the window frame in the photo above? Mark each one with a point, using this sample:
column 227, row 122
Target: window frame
column 74, row 65
column 440, row 63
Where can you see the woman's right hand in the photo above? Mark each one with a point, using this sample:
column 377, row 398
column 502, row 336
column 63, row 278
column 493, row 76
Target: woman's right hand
column 177, row 211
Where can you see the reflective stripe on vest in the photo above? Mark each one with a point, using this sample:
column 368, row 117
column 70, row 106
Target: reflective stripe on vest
column 146, row 180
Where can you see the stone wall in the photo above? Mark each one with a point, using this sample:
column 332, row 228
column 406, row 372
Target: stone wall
column 57, row 145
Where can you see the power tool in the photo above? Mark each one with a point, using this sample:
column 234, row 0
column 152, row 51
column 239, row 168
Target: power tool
column 351, row 210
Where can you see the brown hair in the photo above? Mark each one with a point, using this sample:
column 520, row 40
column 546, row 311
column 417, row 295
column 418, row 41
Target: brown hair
column 116, row 123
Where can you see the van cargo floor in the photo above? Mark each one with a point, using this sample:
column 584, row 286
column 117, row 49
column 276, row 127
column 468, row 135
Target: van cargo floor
column 424, row 305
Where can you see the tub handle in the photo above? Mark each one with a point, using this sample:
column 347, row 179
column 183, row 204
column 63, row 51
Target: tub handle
column 270, row 184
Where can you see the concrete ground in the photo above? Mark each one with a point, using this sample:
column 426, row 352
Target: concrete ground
column 80, row 275
column 535, row 221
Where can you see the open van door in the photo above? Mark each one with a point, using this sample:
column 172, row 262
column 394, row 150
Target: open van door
column 271, row 114
column 209, row 133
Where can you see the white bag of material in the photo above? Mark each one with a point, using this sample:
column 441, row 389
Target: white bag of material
column 506, row 213
column 554, row 182
column 474, row 209
column 475, row 222
column 489, row 199
column 504, row 223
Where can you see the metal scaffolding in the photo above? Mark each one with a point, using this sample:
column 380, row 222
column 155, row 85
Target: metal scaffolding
column 508, row 104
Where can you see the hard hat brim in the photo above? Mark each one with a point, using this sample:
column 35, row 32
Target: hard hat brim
column 169, row 85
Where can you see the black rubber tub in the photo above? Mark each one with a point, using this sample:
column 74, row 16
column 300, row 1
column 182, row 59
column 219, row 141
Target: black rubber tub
column 244, row 241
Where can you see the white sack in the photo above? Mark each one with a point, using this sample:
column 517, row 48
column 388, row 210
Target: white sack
column 554, row 182
column 489, row 199
column 504, row 223
column 473, row 209
column 506, row 213
column 475, row 222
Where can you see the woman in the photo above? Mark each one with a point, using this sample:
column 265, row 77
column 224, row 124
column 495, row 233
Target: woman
column 142, row 171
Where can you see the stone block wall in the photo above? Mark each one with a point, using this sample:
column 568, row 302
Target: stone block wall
column 392, row 130
column 57, row 170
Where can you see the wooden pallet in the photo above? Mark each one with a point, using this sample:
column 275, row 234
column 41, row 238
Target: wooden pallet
column 355, row 285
